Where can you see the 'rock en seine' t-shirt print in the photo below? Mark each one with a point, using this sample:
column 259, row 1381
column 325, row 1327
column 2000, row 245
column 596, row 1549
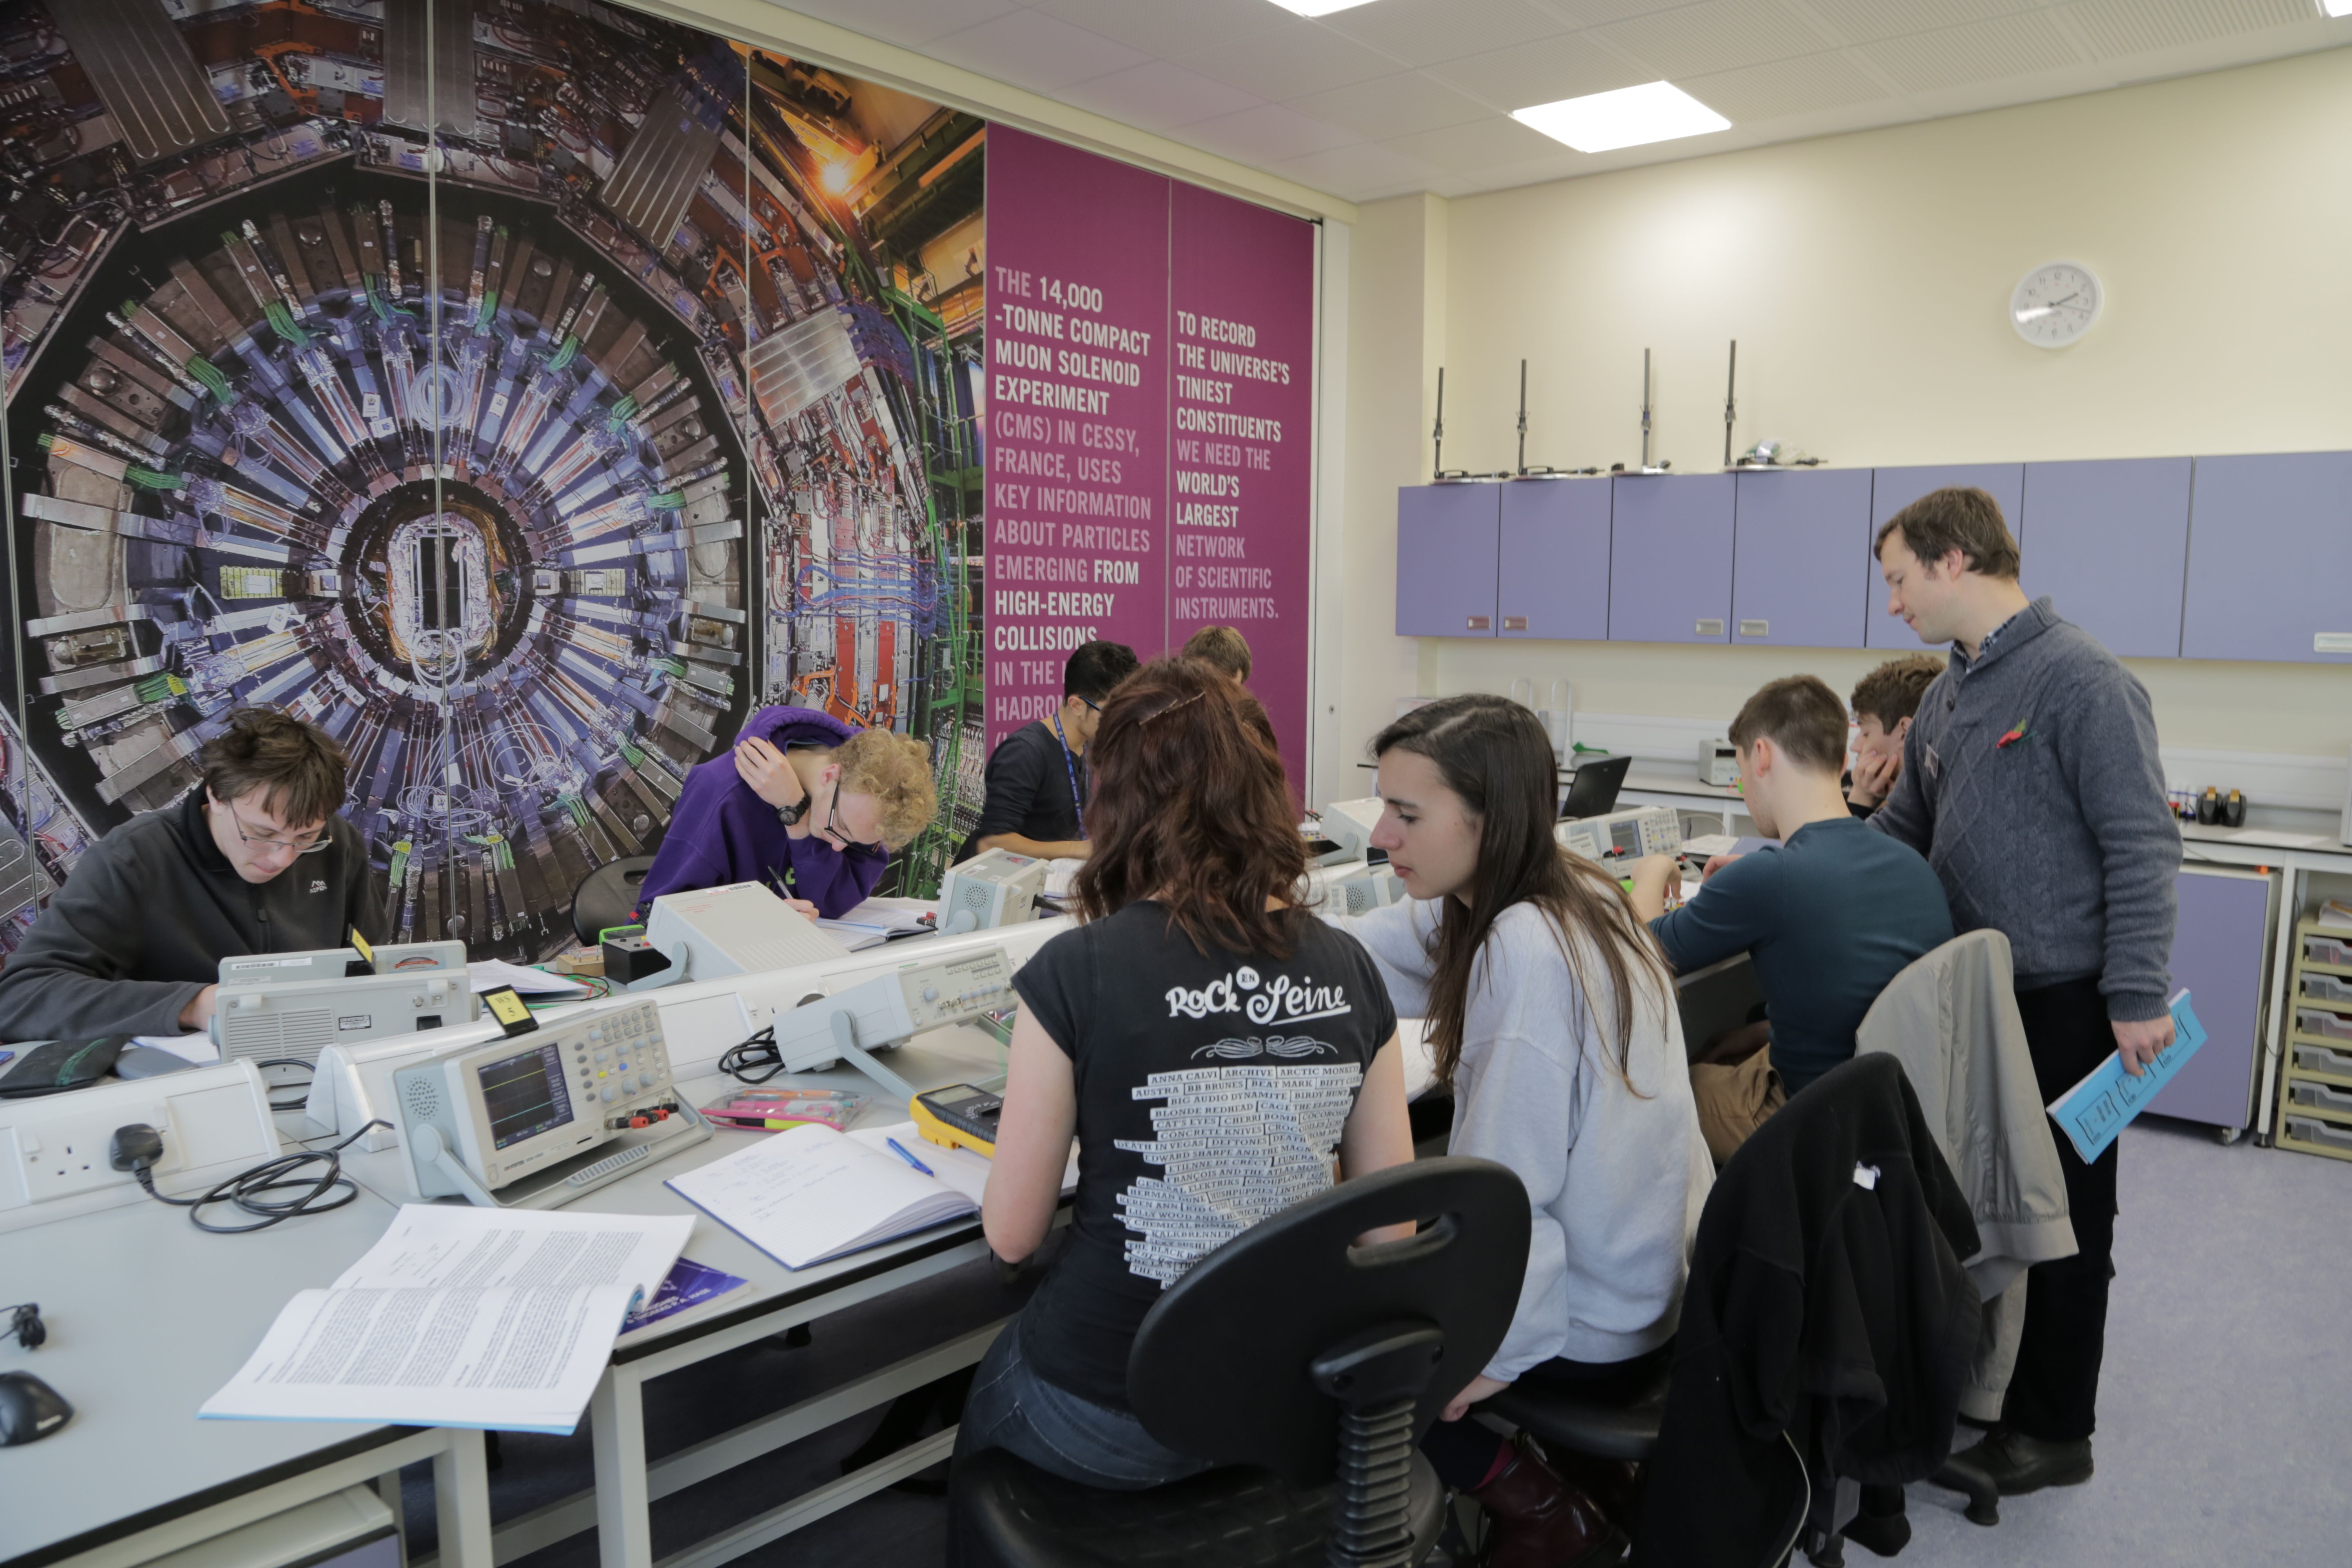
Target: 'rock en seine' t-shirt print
column 1243, row 1138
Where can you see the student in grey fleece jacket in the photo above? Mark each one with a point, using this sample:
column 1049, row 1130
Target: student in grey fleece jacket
column 253, row 860
column 2031, row 780
column 1553, row 1016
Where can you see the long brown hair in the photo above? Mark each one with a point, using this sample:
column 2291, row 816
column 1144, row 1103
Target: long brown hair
column 1190, row 807
column 1492, row 752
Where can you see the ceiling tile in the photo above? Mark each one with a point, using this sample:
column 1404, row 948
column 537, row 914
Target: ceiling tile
column 1029, row 49
column 1170, row 27
column 1715, row 35
column 1981, row 51
column 1424, row 32
column 1267, row 134
column 1291, row 59
column 1542, row 72
column 908, row 22
column 1865, row 21
column 1392, row 106
column 1595, row 13
column 1358, row 172
column 1476, row 147
column 1801, row 85
column 2119, row 27
column 1158, row 95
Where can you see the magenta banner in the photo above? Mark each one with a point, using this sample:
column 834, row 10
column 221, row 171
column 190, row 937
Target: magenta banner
column 1242, row 289
column 1077, row 416
column 1148, row 405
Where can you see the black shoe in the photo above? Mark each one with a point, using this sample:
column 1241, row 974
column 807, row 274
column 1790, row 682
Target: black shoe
column 1882, row 1525
column 2019, row 1464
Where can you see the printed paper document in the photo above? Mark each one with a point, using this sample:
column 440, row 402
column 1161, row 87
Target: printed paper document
column 460, row 1317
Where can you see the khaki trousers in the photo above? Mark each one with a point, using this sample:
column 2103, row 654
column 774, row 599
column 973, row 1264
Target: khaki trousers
column 1734, row 1101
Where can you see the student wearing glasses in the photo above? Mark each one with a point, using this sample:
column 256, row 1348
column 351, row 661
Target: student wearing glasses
column 1035, row 793
column 254, row 860
column 804, row 804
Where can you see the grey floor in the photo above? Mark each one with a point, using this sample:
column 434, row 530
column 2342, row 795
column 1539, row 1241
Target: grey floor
column 2225, row 1405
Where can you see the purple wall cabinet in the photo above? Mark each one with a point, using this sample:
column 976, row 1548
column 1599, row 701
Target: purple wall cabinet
column 2216, row 954
column 1891, row 490
column 2109, row 543
column 1670, row 559
column 1553, row 580
column 1447, row 536
column 1795, row 536
column 2270, row 559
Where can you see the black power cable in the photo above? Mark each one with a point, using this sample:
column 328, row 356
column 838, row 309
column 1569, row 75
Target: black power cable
column 137, row 1147
column 310, row 1068
column 742, row 1062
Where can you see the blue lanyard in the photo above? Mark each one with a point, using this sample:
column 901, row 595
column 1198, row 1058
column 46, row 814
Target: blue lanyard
column 1070, row 772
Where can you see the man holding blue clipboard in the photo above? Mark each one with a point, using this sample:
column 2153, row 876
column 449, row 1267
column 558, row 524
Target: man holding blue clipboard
column 2031, row 782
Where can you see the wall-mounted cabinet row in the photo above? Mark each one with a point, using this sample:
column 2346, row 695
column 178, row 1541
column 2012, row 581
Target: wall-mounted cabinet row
column 2243, row 557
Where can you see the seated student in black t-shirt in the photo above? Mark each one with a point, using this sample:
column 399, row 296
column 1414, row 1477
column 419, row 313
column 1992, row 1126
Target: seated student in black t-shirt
column 1829, row 916
column 1035, row 799
column 1198, row 1012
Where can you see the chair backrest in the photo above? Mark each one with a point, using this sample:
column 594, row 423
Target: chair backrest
column 1951, row 1019
column 606, row 895
column 1221, row 1367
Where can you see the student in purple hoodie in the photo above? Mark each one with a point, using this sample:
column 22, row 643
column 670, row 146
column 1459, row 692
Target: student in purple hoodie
column 804, row 804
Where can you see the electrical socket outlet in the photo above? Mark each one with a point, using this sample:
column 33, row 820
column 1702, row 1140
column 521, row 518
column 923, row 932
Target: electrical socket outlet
column 58, row 1159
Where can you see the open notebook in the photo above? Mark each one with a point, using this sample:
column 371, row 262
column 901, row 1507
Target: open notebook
column 809, row 1195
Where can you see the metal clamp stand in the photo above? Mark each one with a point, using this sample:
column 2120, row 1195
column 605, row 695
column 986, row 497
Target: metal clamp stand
column 1378, row 1378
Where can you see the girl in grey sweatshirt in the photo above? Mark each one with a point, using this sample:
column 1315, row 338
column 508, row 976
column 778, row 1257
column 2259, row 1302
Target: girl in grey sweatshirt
column 1614, row 1163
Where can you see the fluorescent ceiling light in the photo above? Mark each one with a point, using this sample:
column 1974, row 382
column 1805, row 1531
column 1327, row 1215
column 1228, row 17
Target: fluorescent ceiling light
column 1325, row 7
column 1629, row 117
column 2336, row 7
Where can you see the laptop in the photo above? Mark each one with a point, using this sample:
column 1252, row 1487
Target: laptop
column 1593, row 790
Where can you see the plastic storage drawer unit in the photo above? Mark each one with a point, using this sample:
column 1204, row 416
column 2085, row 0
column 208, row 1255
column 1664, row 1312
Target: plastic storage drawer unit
column 2321, row 1026
column 2324, row 1061
column 2317, row 1137
column 2328, row 949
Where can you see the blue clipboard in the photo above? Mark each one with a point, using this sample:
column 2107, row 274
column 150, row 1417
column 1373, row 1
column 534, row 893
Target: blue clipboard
column 2094, row 1110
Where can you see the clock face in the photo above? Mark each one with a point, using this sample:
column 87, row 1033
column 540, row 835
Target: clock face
column 2053, row 305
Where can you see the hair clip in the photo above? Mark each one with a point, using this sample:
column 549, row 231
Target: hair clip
column 1173, row 706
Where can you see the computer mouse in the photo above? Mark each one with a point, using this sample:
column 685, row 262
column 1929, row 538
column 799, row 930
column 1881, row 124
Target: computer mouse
column 148, row 1061
column 29, row 1408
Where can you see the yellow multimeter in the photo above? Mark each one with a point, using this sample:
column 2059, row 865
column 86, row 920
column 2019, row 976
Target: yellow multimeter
column 959, row 1117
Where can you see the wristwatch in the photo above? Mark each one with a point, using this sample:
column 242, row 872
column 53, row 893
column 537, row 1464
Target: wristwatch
column 789, row 814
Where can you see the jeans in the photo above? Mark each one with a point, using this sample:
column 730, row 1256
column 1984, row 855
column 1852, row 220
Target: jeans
column 1011, row 1407
column 2053, row 1395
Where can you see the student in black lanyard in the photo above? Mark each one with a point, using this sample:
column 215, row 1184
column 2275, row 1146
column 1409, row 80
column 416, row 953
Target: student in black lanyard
column 1035, row 801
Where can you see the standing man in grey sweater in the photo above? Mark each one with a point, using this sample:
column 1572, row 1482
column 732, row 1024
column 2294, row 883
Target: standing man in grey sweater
column 2031, row 780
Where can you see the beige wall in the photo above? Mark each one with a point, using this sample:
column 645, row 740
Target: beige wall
column 1866, row 278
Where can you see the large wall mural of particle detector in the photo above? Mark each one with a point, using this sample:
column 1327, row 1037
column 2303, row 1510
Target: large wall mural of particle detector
column 485, row 523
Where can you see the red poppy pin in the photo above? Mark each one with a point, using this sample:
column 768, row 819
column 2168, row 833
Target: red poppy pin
column 2017, row 733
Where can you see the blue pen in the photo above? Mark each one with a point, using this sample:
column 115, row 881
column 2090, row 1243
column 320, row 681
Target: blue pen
column 900, row 1150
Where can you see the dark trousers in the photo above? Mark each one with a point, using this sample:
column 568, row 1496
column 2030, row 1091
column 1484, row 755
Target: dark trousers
column 1463, row 1452
column 2054, row 1393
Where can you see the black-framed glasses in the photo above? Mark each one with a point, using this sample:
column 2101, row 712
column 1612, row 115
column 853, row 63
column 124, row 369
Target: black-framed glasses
column 834, row 830
column 266, row 842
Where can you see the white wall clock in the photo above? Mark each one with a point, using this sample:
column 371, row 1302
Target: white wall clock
column 2055, row 304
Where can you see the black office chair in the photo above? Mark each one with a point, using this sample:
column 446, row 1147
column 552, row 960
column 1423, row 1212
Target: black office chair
column 1294, row 1357
column 607, row 895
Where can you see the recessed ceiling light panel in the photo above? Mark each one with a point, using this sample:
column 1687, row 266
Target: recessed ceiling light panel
column 1319, row 7
column 1629, row 117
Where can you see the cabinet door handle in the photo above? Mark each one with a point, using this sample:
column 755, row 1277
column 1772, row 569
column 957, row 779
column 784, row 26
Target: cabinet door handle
column 1711, row 627
column 1515, row 623
column 2331, row 642
column 1756, row 629
column 1481, row 623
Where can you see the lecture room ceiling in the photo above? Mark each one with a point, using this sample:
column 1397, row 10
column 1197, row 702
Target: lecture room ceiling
column 1390, row 97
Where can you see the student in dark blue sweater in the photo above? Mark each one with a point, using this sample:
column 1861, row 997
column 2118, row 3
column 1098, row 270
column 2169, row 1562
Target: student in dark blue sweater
column 1829, row 916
